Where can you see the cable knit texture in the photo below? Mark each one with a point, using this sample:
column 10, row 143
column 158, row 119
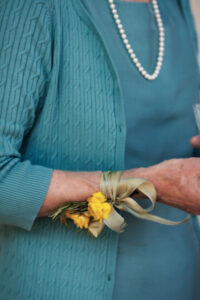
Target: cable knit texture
column 60, row 107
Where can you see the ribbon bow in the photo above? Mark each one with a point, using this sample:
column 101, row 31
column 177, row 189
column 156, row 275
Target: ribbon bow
column 119, row 192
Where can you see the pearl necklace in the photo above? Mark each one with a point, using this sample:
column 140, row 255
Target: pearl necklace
column 129, row 48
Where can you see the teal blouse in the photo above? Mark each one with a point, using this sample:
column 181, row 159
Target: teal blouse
column 64, row 105
column 154, row 261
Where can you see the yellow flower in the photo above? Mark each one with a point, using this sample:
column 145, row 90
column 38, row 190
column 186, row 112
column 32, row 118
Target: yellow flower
column 97, row 197
column 98, row 210
column 68, row 213
column 81, row 220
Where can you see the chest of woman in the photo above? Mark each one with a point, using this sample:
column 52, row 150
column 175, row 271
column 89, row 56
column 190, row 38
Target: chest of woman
column 82, row 121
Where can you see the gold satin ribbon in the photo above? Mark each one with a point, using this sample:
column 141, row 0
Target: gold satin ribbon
column 118, row 194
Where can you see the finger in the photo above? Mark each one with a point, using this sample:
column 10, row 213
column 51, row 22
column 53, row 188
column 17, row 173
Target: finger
column 195, row 141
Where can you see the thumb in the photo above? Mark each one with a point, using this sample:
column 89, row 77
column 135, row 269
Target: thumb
column 195, row 141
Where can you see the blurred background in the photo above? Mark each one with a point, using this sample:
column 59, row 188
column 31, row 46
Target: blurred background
column 195, row 4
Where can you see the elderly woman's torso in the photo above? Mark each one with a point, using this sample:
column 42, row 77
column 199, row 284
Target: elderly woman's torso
column 99, row 113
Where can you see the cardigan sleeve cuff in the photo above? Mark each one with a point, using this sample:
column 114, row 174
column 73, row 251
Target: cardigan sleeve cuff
column 22, row 193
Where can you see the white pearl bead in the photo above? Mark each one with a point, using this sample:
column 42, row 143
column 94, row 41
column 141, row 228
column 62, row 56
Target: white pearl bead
column 161, row 33
column 133, row 55
column 159, row 23
column 156, row 72
column 138, row 64
column 128, row 46
column 144, row 73
column 159, row 64
column 162, row 43
column 147, row 76
column 140, row 68
column 161, row 48
column 125, row 41
column 130, row 51
column 156, row 10
column 157, row 69
column 158, row 18
column 155, row 6
column 161, row 39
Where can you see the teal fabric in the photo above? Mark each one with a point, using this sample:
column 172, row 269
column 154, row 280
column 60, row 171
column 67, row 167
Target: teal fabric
column 160, row 123
column 63, row 106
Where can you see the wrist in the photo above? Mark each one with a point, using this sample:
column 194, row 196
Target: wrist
column 143, row 173
column 136, row 172
column 93, row 180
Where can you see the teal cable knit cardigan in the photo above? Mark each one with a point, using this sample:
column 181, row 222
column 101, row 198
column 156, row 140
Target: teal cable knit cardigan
column 60, row 108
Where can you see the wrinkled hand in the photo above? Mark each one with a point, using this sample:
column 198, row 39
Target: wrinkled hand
column 177, row 182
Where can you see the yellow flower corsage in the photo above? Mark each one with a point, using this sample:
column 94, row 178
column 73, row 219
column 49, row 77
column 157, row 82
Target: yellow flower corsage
column 99, row 209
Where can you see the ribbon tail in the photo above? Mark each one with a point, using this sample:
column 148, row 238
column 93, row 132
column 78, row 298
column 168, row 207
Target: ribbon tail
column 134, row 206
column 115, row 221
column 95, row 228
column 156, row 219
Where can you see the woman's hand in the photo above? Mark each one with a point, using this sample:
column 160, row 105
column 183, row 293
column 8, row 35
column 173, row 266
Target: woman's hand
column 177, row 182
